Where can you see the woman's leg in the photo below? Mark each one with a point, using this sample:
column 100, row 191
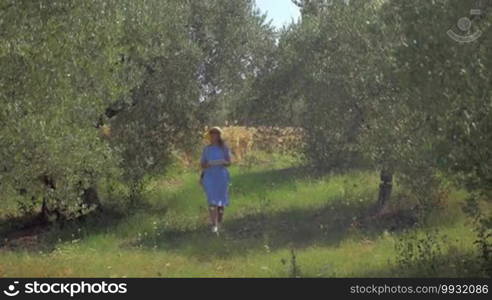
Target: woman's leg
column 213, row 215
column 220, row 214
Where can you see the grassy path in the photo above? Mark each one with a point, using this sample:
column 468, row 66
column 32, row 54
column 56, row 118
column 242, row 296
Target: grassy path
column 277, row 210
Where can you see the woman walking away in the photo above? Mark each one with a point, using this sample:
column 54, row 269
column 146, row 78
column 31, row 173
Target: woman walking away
column 215, row 176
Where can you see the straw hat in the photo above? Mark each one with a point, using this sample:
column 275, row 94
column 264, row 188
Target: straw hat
column 215, row 129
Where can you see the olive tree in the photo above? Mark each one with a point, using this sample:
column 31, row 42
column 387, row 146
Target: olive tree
column 60, row 69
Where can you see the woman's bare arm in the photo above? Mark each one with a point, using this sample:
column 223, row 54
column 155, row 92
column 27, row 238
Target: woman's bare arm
column 227, row 162
column 228, row 159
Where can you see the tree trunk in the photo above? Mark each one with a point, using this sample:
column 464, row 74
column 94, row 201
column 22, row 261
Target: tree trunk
column 385, row 188
column 90, row 197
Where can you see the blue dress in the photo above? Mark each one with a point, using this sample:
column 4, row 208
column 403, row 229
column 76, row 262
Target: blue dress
column 216, row 178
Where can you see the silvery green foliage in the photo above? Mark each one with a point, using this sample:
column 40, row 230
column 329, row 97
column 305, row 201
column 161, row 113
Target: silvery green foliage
column 372, row 80
column 324, row 79
column 59, row 62
column 149, row 71
column 444, row 88
column 195, row 59
column 236, row 43
column 385, row 82
column 446, row 85
column 158, row 114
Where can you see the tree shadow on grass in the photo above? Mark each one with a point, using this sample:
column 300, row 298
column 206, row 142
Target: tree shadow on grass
column 268, row 231
column 271, row 230
column 247, row 227
column 29, row 234
column 254, row 230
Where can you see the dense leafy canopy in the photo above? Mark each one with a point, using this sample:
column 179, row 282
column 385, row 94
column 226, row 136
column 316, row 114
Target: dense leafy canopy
column 145, row 72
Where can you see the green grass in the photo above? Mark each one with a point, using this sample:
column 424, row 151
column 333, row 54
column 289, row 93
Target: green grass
column 277, row 207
